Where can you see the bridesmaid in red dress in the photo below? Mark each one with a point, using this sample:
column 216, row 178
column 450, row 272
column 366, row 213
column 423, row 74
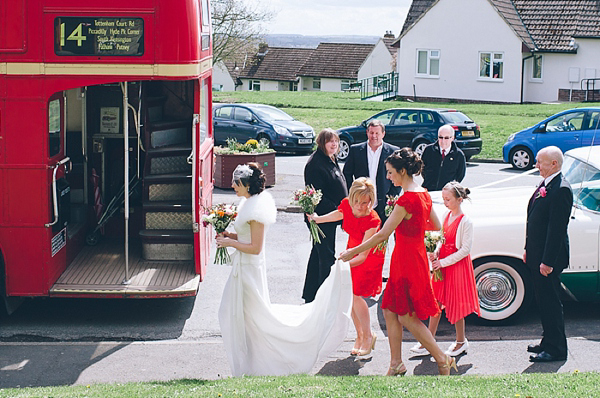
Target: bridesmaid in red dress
column 408, row 298
column 361, row 222
column 456, row 291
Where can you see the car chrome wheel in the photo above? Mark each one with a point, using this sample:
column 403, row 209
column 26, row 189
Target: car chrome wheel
column 420, row 147
column 344, row 149
column 521, row 158
column 501, row 289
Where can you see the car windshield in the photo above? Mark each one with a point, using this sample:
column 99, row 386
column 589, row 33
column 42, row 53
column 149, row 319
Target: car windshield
column 456, row 117
column 271, row 114
column 585, row 182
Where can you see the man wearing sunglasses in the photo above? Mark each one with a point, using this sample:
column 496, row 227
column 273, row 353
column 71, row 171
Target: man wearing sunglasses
column 443, row 161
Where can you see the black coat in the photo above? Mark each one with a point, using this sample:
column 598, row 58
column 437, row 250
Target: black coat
column 438, row 172
column 324, row 173
column 548, row 217
column 357, row 166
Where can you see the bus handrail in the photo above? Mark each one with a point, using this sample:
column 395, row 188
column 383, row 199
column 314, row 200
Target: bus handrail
column 54, row 196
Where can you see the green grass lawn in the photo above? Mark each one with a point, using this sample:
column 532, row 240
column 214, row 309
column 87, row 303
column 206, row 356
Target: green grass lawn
column 525, row 385
column 336, row 110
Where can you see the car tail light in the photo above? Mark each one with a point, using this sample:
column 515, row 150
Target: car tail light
column 455, row 128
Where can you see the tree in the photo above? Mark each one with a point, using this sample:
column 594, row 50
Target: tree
column 237, row 25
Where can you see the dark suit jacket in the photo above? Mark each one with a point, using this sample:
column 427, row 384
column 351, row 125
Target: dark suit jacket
column 323, row 173
column 357, row 166
column 437, row 172
column 548, row 217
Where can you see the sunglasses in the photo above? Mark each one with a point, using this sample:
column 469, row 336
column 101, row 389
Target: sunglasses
column 445, row 138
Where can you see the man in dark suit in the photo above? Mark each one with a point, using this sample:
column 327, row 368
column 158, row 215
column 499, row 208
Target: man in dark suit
column 368, row 160
column 547, row 252
column 443, row 161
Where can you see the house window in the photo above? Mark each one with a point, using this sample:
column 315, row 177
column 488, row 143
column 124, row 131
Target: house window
column 491, row 65
column 537, row 67
column 317, row 83
column 254, row 85
column 428, row 63
column 346, row 85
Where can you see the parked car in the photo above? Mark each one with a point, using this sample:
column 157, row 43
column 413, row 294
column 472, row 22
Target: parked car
column 261, row 122
column 415, row 128
column 503, row 281
column 567, row 130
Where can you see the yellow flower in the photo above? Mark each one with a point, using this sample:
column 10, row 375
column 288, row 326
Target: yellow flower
column 252, row 143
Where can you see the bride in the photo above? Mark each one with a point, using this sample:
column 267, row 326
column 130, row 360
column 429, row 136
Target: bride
column 273, row 339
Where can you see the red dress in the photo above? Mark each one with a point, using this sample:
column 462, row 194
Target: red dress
column 456, row 291
column 409, row 289
column 366, row 277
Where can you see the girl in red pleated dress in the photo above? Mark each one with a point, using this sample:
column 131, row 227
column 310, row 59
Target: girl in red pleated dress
column 408, row 296
column 456, row 290
column 361, row 222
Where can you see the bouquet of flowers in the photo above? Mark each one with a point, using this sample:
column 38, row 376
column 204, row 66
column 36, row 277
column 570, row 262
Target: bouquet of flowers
column 308, row 198
column 389, row 208
column 432, row 239
column 220, row 216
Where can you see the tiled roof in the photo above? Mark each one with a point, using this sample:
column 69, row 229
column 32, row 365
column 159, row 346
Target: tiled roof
column 542, row 25
column 554, row 23
column 337, row 60
column 279, row 63
column 388, row 41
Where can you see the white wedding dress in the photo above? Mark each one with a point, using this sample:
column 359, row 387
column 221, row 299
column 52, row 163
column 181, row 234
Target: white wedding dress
column 275, row 339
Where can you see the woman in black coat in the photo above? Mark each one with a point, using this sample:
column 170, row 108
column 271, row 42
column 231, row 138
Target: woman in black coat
column 323, row 172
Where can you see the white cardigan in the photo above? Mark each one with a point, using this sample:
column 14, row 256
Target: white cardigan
column 464, row 242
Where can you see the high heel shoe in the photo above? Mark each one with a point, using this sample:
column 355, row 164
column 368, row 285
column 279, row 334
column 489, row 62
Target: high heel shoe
column 444, row 369
column 398, row 370
column 362, row 353
column 354, row 352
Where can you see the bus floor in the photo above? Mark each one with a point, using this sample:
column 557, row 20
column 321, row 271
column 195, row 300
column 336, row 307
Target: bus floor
column 100, row 271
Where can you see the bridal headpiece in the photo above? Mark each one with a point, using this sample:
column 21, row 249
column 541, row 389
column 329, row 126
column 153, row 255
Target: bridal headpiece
column 243, row 171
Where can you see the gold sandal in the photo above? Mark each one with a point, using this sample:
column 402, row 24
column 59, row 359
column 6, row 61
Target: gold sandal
column 448, row 364
column 398, row 370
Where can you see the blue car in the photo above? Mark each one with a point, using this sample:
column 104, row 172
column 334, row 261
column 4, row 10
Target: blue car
column 568, row 129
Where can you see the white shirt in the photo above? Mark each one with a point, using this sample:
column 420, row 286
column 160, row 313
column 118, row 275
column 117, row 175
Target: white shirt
column 550, row 178
column 373, row 162
column 444, row 152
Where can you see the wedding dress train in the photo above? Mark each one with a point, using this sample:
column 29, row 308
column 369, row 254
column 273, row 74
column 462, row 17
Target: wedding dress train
column 276, row 339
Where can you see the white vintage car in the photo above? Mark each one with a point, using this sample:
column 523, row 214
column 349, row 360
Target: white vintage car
column 499, row 217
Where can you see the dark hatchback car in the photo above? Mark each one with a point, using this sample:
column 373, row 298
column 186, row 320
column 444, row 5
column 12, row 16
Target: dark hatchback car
column 416, row 128
column 261, row 122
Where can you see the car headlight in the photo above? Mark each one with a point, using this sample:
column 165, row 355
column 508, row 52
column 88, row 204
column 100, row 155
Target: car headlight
column 511, row 137
column 283, row 131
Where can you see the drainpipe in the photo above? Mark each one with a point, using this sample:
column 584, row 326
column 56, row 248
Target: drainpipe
column 523, row 74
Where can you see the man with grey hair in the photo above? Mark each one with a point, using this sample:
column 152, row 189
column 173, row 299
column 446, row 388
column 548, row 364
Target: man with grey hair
column 547, row 252
column 443, row 161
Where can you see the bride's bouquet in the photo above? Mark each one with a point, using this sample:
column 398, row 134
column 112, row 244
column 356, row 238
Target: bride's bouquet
column 308, row 198
column 432, row 239
column 220, row 216
column 389, row 208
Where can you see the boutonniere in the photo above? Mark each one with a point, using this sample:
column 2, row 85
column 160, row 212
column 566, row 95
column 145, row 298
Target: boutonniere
column 541, row 193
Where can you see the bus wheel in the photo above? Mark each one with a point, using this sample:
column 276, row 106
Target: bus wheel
column 92, row 239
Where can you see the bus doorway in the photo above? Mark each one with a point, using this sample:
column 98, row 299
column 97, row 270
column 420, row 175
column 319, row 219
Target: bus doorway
column 134, row 190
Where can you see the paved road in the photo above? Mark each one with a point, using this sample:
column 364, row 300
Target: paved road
column 65, row 341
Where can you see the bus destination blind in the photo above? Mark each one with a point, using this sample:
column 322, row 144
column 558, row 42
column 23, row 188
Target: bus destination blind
column 98, row 36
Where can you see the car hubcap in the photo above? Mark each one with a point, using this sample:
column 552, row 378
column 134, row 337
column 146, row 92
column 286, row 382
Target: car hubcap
column 521, row 159
column 497, row 289
column 420, row 148
column 344, row 150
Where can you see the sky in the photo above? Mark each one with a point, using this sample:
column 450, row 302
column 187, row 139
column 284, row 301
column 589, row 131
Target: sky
column 336, row 17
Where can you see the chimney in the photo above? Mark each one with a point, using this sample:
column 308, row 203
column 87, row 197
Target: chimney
column 263, row 49
column 389, row 35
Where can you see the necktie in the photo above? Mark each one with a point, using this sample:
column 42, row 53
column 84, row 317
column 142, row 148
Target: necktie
column 536, row 194
column 443, row 154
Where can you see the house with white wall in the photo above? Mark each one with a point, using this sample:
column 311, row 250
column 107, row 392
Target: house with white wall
column 224, row 77
column 273, row 69
column 380, row 60
column 334, row 66
column 503, row 50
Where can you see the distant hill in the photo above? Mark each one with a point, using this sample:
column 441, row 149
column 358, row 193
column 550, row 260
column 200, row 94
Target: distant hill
column 288, row 40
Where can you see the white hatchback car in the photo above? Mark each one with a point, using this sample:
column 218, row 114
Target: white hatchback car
column 499, row 217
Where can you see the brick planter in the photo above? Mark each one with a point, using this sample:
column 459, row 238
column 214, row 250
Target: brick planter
column 225, row 164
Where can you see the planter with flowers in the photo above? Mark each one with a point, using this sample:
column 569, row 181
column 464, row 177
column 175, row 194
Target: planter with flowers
column 235, row 153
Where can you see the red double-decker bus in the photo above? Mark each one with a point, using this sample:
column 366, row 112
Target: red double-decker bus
column 105, row 147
